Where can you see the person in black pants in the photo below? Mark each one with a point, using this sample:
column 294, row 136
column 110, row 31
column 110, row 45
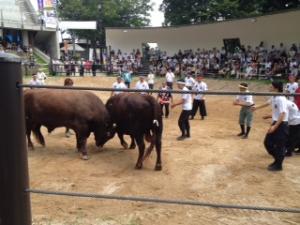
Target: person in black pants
column 199, row 101
column 186, row 102
column 164, row 99
column 277, row 135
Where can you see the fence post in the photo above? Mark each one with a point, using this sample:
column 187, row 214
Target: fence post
column 14, row 201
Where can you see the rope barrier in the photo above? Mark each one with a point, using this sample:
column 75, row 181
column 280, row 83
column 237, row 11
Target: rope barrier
column 164, row 201
column 154, row 90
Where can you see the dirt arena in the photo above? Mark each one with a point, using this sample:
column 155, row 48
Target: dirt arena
column 213, row 166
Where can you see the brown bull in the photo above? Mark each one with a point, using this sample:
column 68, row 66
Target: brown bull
column 140, row 117
column 81, row 111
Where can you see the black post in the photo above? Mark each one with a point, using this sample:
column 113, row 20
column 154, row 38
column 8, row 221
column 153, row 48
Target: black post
column 14, row 201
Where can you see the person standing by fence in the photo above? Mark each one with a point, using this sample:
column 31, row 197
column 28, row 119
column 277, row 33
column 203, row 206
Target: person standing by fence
column 277, row 135
column 246, row 114
column 186, row 102
column 68, row 82
column 199, row 101
column 164, row 99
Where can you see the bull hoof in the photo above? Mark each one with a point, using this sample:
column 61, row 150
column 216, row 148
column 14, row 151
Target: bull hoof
column 132, row 147
column 138, row 166
column 125, row 145
column 158, row 167
column 84, row 157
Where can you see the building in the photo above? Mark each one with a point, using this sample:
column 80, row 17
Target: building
column 21, row 25
column 272, row 29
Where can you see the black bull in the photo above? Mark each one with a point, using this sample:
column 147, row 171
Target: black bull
column 81, row 111
column 140, row 117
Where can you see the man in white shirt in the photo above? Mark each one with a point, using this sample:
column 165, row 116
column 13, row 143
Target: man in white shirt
column 246, row 114
column 170, row 78
column 199, row 101
column 151, row 78
column 34, row 80
column 119, row 84
column 189, row 80
column 41, row 76
column 291, row 87
column 142, row 84
column 277, row 135
column 294, row 128
column 187, row 105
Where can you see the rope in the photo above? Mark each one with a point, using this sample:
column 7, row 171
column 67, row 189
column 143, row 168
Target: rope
column 153, row 91
column 164, row 201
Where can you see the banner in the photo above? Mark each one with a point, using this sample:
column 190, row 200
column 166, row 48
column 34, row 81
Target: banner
column 40, row 4
column 50, row 19
column 48, row 4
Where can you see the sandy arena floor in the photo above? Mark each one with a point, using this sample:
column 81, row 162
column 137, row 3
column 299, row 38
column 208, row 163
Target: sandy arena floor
column 213, row 166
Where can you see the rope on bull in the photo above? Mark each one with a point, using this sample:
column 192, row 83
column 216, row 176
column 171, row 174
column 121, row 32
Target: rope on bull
column 154, row 90
column 164, row 201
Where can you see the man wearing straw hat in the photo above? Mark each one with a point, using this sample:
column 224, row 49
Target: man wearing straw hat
column 142, row 84
column 246, row 114
column 187, row 105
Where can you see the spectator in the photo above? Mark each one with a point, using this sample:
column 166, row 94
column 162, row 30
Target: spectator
column 142, row 84
column 41, row 76
column 150, row 79
column 164, row 99
column 34, row 80
column 118, row 85
column 170, row 78
column 126, row 75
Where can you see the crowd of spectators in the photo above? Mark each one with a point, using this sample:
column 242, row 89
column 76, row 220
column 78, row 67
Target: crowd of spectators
column 244, row 62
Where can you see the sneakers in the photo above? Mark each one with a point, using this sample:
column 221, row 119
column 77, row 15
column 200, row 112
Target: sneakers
column 181, row 138
column 241, row 134
column 245, row 136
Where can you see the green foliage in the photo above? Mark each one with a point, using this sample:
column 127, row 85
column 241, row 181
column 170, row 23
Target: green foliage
column 179, row 12
column 113, row 13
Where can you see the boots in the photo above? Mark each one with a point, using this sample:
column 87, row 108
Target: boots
column 247, row 133
column 242, row 130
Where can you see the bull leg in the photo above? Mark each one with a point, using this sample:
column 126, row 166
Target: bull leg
column 28, row 134
column 158, row 166
column 141, row 144
column 132, row 145
column 39, row 136
column 123, row 142
column 82, row 148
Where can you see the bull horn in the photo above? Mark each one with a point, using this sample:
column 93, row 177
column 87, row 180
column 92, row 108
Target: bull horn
column 114, row 125
column 155, row 122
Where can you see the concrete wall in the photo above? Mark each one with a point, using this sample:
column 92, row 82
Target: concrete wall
column 272, row 29
column 25, row 37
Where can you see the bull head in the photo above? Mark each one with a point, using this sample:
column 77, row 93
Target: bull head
column 106, row 133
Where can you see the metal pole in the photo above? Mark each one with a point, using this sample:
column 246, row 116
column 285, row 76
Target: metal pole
column 14, row 201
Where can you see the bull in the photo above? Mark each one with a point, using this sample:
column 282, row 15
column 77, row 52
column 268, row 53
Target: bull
column 81, row 111
column 140, row 117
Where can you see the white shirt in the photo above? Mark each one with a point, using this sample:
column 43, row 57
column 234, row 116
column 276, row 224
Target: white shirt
column 117, row 85
column 246, row 99
column 294, row 113
column 189, row 81
column 41, row 76
column 279, row 105
column 200, row 86
column 187, row 100
column 142, row 86
column 291, row 89
column 35, row 82
column 151, row 77
column 170, row 77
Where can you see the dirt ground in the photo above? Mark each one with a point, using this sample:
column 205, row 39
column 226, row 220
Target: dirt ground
column 213, row 166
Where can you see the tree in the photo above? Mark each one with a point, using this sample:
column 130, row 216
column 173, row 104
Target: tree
column 178, row 12
column 116, row 13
